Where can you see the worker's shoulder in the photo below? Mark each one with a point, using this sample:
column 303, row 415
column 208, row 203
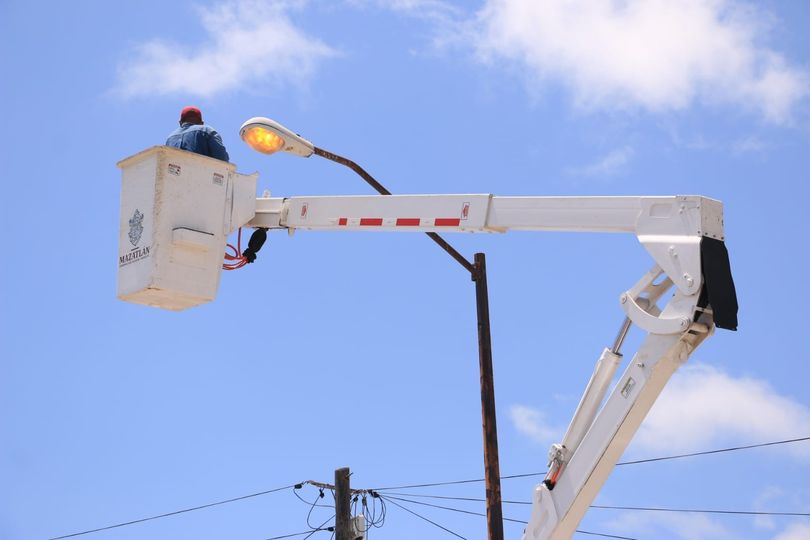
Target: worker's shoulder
column 203, row 128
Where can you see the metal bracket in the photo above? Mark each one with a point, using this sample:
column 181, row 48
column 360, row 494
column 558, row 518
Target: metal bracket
column 639, row 304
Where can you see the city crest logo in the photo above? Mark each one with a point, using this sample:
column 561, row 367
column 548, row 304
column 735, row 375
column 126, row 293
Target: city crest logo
column 135, row 231
column 135, row 227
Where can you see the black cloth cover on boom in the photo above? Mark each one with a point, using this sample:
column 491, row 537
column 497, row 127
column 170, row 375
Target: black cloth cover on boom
column 718, row 285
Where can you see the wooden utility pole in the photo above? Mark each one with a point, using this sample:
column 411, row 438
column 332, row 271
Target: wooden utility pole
column 343, row 504
column 492, row 473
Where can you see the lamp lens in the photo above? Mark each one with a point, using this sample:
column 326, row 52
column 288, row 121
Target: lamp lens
column 263, row 140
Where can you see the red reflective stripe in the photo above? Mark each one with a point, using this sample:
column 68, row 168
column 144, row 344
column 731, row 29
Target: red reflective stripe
column 403, row 222
column 408, row 222
column 447, row 222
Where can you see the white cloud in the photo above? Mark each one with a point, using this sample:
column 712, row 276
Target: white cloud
column 248, row 43
column 748, row 145
column 797, row 531
column 683, row 526
column 533, row 424
column 763, row 502
column 609, row 165
column 429, row 9
column 700, row 409
column 659, row 55
column 703, row 407
column 445, row 18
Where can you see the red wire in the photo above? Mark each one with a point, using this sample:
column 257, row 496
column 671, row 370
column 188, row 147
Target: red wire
column 237, row 254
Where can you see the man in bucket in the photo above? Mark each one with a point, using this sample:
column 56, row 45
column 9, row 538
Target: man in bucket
column 194, row 136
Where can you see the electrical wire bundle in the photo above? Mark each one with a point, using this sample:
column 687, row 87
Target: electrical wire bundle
column 237, row 258
column 374, row 514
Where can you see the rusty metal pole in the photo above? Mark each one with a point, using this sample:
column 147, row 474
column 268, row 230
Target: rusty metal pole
column 492, row 472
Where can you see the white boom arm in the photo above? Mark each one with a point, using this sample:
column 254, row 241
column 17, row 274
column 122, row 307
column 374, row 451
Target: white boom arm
column 684, row 236
column 670, row 228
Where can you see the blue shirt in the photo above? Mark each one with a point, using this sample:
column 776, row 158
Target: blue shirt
column 200, row 139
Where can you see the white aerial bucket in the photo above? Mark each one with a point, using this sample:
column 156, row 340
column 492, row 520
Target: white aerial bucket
column 177, row 209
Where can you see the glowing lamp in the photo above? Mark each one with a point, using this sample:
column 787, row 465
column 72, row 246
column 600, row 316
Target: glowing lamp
column 267, row 136
column 262, row 140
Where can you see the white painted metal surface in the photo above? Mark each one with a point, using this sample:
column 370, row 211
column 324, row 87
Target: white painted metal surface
column 670, row 228
column 176, row 211
column 591, row 399
column 450, row 213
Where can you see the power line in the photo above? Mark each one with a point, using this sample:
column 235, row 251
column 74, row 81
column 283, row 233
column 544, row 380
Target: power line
column 295, row 492
column 459, row 510
column 454, row 482
column 634, row 462
column 292, row 535
column 484, row 515
column 320, row 528
column 313, row 505
column 721, row 450
column 453, row 509
column 605, row 507
column 702, row 511
column 374, row 517
column 450, row 483
column 209, row 505
column 426, row 519
column 470, row 499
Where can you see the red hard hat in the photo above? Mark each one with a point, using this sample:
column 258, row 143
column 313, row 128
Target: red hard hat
column 189, row 114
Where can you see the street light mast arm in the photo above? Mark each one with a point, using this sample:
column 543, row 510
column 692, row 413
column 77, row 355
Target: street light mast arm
column 353, row 166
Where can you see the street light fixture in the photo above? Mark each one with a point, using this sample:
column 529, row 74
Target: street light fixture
column 268, row 136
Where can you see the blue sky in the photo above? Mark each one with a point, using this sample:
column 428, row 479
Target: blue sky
column 359, row 349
